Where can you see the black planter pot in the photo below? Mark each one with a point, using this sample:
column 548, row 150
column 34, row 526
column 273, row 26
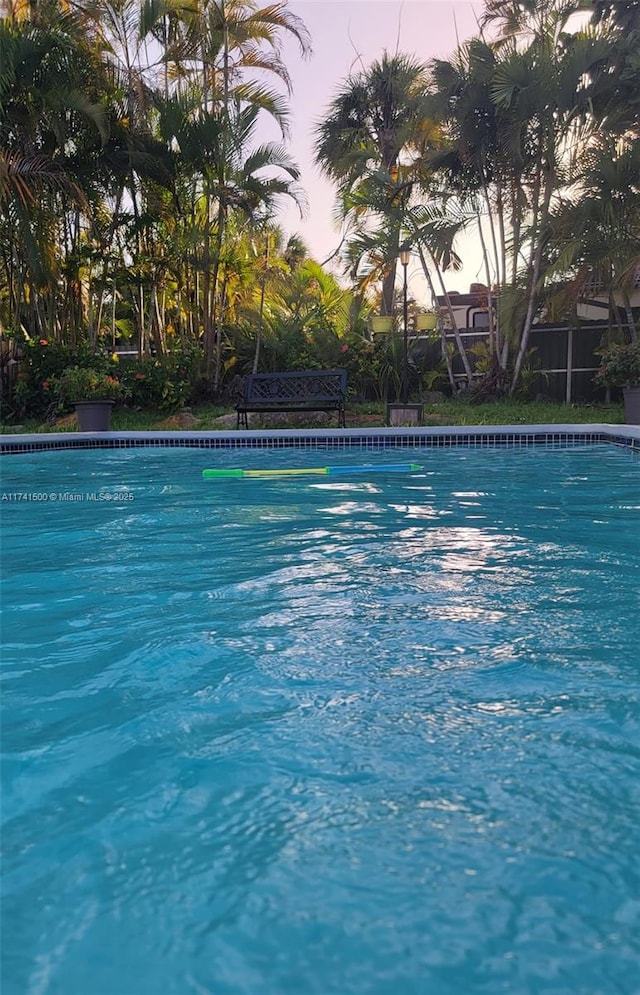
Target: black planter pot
column 94, row 416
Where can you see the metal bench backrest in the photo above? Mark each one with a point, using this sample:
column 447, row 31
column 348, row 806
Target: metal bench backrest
column 298, row 386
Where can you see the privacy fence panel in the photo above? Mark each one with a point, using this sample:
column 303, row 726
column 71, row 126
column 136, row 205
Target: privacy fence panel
column 563, row 359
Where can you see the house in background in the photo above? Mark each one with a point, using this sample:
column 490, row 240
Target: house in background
column 595, row 306
column 470, row 310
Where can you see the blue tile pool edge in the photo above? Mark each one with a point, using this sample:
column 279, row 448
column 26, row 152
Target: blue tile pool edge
column 548, row 436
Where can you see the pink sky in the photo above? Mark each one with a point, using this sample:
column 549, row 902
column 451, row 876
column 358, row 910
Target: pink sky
column 342, row 33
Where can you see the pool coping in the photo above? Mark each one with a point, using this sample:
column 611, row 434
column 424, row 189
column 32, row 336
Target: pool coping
column 555, row 436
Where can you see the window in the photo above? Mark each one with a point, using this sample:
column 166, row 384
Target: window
column 480, row 319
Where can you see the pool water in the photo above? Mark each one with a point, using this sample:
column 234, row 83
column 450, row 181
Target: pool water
column 373, row 735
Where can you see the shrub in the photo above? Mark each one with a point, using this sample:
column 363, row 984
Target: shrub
column 78, row 383
column 620, row 366
column 164, row 383
column 42, row 362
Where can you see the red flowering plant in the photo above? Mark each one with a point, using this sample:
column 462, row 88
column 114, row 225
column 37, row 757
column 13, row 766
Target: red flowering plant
column 77, row 383
column 41, row 361
column 163, row 383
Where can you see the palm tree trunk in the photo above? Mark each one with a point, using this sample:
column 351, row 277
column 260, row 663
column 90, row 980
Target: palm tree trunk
column 389, row 281
column 487, row 270
column 502, row 272
column 212, row 318
column 539, row 227
column 220, row 312
column 454, row 326
column 516, row 225
column 142, row 341
column 494, row 240
column 155, row 321
column 628, row 311
column 263, row 284
column 443, row 334
column 113, row 315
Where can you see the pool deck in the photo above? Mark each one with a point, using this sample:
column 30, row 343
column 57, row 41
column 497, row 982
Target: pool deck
column 556, row 436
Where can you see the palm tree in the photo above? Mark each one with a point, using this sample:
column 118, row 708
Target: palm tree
column 540, row 83
column 247, row 183
column 71, row 146
column 237, row 177
column 369, row 136
column 481, row 165
column 220, row 44
column 615, row 82
column 295, row 252
column 517, row 115
column 597, row 231
column 312, row 300
column 54, row 119
column 215, row 47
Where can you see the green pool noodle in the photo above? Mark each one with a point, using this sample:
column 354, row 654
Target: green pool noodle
column 222, row 473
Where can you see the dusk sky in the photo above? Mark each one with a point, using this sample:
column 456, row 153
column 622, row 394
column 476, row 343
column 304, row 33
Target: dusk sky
column 346, row 35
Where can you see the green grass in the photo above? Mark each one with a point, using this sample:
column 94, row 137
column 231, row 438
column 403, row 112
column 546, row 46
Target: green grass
column 508, row 412
column 448, row 412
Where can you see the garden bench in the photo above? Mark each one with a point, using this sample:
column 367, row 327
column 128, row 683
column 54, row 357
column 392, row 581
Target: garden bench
column 301, row 390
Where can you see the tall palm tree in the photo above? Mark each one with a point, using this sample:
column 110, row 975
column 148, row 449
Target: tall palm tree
column 518, row 112
column 54, row 119
column 481, row 164
column 70, row 146
column 369, row 136
column 541, row 84
column 239, row 176
column 216, row 49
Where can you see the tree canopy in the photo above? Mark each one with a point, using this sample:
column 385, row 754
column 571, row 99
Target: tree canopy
column 138, row 206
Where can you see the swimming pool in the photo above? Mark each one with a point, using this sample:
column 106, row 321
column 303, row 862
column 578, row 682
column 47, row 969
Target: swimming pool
column 374, row 735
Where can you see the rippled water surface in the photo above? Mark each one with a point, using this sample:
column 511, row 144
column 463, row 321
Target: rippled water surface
column 373, row 735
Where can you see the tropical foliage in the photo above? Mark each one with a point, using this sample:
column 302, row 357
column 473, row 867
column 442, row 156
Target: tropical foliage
column 128, row 183
column 529, row 138
column 139, row 206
